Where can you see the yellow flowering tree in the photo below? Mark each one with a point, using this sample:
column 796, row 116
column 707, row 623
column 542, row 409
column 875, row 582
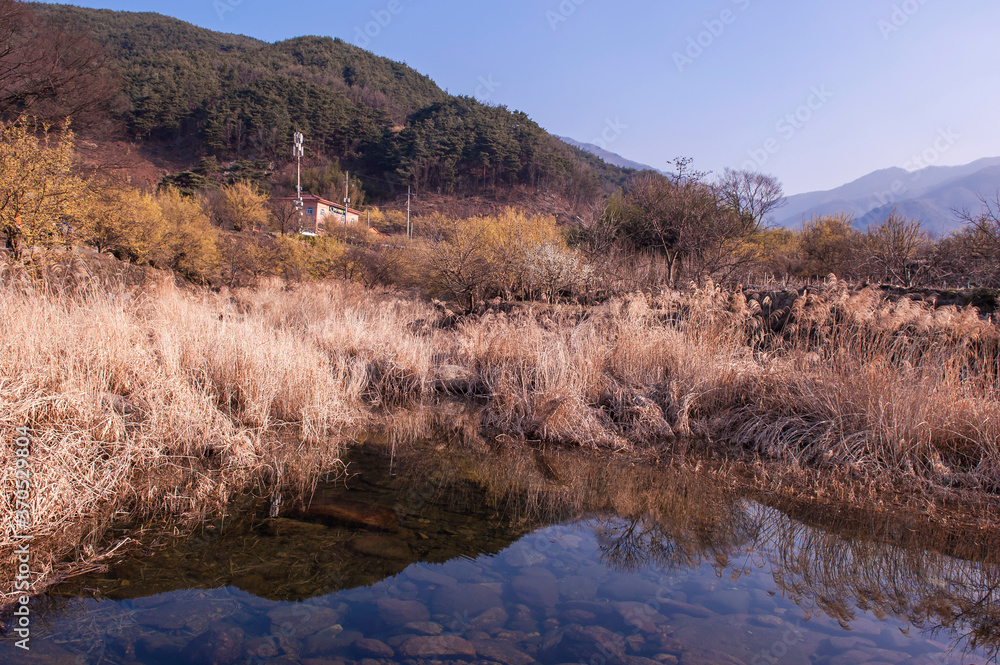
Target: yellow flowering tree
column 190, row 242
column 43, row 200
column 128, row 223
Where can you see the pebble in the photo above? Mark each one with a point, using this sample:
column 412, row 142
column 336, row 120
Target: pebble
column 443, row 646
column 424, row 627
column 373, row 648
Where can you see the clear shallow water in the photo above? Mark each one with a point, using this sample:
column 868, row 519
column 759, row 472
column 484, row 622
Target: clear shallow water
column 474, row 558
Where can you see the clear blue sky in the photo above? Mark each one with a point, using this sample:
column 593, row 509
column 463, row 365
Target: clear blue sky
column 873, row 83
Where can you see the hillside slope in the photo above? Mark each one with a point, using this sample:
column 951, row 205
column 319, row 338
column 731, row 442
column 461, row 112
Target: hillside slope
column 197, row 92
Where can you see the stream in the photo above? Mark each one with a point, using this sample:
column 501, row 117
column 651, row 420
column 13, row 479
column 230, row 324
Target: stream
column 461, row 553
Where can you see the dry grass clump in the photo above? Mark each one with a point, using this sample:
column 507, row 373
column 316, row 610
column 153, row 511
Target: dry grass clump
column 839, row 378
column 156, row 401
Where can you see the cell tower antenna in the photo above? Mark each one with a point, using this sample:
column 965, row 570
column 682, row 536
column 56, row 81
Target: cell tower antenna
column 297, row 153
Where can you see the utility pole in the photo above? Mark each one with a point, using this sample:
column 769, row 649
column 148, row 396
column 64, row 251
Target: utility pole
column 409, row 229
column 297, row 152
column 347, row 199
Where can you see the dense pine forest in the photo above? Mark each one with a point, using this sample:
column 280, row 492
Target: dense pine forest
column 201, row 92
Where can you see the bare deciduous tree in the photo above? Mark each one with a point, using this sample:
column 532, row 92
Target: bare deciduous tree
column 49, row 72
column 892, row 247
column 751, row 195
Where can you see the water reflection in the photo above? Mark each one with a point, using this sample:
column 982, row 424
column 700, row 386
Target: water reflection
column 466, row 551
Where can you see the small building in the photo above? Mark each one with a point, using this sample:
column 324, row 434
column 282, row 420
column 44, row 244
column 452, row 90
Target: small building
column 321, row 216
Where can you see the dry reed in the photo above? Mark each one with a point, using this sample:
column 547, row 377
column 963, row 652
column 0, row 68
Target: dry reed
column 158, row 401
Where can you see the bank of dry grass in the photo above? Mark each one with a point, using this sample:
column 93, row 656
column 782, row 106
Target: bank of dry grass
column 163, row 402
column 155, row 400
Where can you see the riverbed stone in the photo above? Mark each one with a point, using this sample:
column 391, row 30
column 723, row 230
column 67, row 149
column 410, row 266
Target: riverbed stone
column 709, row 657
column 371, row 648
column 501, row 652
column 578, row 616
column 513, row 636
column 536, row 590
column 490, row 620
column 852, row 657
column 642, row 616
column 465, row 599
column 347, row 511
column 640, row 660
column 260, row 648
column 396, row 612
column 160, row 646
column 300, row 620
column 424, row 628
column 767, row 621
column 219, row 645
column 381, row 547
column 437, row 647
column 331, row 640
column 580, row 643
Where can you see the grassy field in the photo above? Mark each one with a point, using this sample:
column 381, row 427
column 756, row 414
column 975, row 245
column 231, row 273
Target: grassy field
column 150, row 401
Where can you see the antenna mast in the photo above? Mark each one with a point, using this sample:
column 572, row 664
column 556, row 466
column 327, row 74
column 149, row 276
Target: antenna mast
column 297, row 153
column 347, row 199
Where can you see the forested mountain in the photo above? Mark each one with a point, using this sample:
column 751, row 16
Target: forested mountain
column 201, row 92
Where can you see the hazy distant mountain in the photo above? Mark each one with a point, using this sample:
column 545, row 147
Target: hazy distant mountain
column 929, row 195
column 610, row 157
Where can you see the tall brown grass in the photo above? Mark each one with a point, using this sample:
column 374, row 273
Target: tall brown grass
column 158, row 401
column 153, row 400
column 839, row 379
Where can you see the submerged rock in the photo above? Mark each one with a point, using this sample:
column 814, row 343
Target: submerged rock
column 222, row 645
column 424, row 627
column 536, row 590
column 353, row 512
column 708, row 657
column 442, row 646
column 492, row 619
column 581, row 643
column 501, row 652
column 300, row 620
column 373, row 648
column 381, row 547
